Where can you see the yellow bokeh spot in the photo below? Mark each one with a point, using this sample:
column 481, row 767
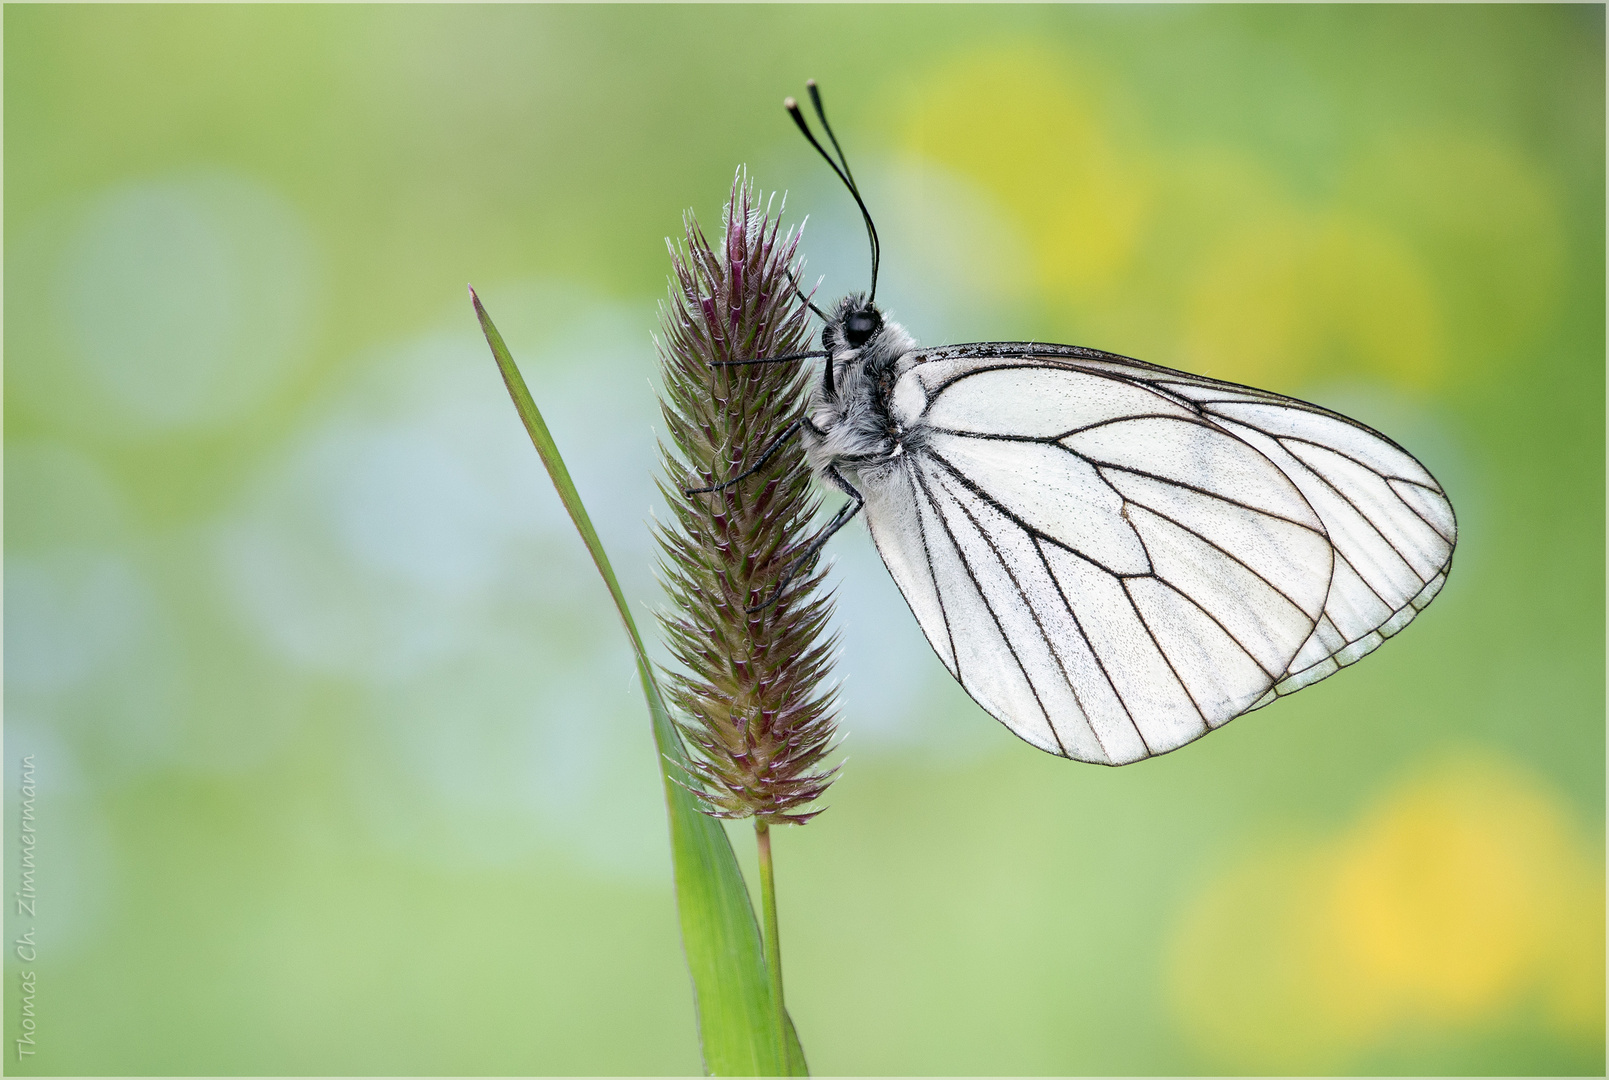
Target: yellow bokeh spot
column 1298, row 298
column 1449, row 895
column 1025, row 125
column 1450, row 904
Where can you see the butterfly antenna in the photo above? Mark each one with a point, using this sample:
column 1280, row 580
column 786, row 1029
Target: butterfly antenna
column 821, row 113
column 843, row 159
column 843, row 173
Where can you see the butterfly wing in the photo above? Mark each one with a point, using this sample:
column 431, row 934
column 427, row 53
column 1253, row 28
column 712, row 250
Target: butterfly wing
column 1115, row 558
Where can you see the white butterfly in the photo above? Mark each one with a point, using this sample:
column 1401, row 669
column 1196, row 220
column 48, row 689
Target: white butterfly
column 1115, row 558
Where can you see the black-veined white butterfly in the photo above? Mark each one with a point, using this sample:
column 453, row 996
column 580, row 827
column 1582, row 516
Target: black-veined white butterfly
column 1113, row 558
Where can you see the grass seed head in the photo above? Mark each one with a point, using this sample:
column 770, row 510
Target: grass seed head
column 751, row 694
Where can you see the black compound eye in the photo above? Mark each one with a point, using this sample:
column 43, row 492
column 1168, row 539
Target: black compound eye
column 860, row 326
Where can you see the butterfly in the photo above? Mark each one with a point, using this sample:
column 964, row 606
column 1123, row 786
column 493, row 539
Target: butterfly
column 1113, row 558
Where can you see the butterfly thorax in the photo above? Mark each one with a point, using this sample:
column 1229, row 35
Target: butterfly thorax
column 853, row 424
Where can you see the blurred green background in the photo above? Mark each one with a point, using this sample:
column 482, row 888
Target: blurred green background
column 342, row 766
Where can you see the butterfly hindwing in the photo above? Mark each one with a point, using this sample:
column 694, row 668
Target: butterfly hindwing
column 1115, row 558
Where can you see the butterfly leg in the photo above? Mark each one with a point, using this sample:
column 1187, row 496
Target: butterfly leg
column 776, row 444
column 768, row 359
column 843, row 517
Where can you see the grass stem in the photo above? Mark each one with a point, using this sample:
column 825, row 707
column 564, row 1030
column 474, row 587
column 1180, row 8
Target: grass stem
column 773, row 942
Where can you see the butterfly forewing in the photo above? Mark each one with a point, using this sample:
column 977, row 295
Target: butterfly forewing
column 1114, row 558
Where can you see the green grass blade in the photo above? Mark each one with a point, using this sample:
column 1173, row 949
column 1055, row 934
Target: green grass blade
column 720, row 935
column 796, row 1058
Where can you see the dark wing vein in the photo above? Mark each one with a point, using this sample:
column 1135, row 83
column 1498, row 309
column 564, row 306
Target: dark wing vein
column 1431, row 525
column 1099, row 465
column 1338, row 452
column 1222, row 551
column 1090, row 645
column 1166, row 659
column 1050, row 646
column 938, row 593
column 971, row 486
column 1127, row 417
column 1327, row 482
column 961, row 557
column 1226, row 631
column 1097, row 373
column 996, row 436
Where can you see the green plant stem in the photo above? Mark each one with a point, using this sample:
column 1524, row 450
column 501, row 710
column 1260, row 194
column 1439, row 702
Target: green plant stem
column 773, row 942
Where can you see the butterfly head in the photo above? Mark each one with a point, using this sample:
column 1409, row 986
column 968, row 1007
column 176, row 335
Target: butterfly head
column 861, row 343
column 852, row 325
